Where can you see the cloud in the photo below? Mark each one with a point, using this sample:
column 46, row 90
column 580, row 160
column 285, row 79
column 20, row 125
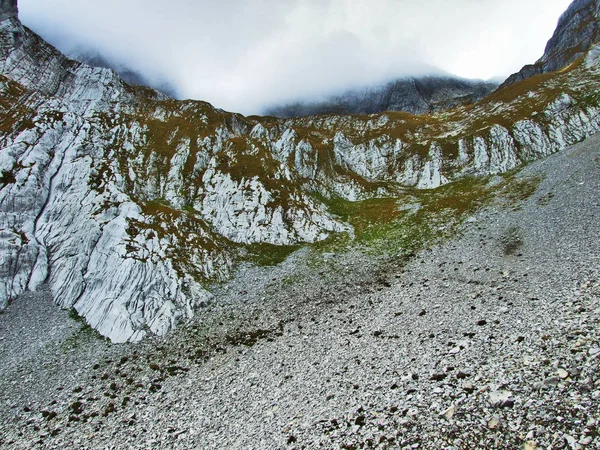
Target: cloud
column 243, row 55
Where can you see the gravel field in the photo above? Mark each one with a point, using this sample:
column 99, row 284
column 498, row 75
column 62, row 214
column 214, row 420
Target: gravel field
column 488, row 340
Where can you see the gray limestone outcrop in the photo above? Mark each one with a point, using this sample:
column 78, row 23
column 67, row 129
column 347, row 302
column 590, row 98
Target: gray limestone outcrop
column 127, row 204
column 487, row 341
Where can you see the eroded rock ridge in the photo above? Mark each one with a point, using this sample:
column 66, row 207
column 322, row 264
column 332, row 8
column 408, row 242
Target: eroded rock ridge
column 126, row 203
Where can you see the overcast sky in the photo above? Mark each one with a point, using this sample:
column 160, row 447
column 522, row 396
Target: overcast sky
column 243, row 55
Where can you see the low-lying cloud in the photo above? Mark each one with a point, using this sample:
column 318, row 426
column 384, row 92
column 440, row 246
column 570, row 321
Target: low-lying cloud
column 244, row 55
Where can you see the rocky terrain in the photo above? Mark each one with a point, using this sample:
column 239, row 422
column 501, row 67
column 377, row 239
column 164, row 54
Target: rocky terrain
column 129, row 206
column 578, row 30
column 488, row 339
column 130, row 75
column 375, row 281
column 415, row 95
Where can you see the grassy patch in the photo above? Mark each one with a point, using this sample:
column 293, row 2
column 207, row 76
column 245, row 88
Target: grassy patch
column 515, row 189
column 439, row 212
column 415, row 220
column 85, row 333
column 268, row 254
column 405, row 224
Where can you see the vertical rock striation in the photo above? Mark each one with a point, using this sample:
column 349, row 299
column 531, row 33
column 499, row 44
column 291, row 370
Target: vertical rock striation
column 126, row 202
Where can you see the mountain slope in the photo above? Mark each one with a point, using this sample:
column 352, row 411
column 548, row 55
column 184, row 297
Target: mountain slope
column 128, row 74
column 415, row 95
column 479, row 342
column 128, row 204
column 577, row 31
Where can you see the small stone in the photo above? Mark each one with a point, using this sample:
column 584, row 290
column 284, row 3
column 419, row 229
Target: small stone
column 501, row 399
column 530, row 445
column 438, row 377
column 591, row 423
column 552, row 381
column 562, row 373
column 413, row 412
column 49, row 415
column 449, row 413
column 571, row 441
column 494, row 423
column 468, row 387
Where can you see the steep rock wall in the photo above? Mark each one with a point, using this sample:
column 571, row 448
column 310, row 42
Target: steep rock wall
column 126, row 203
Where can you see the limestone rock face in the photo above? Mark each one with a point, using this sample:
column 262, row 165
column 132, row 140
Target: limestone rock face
column 127, row 203
column 577, row 31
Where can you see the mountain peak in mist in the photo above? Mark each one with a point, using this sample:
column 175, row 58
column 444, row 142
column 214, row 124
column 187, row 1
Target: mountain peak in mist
column 412, row 94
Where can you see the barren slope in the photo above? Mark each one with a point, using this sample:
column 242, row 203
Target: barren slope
column 488, row 340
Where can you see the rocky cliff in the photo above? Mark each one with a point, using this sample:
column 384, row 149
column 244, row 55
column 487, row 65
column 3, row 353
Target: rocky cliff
column 577, row 31
column 127, row 203
column 415, row 95
column 127, row 73
column 8, row 9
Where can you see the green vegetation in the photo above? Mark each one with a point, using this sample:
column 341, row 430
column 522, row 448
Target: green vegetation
column 268, row 254
column 84, row 334
column 417, row 219
column 519, row 189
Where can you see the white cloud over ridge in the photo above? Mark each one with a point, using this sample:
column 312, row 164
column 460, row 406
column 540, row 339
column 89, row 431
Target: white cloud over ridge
column 243, row 55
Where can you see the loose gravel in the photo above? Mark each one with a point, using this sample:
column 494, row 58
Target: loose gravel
column 489, row 340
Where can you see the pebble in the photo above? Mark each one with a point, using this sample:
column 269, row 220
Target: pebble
column 494, row 423
column 449, row 413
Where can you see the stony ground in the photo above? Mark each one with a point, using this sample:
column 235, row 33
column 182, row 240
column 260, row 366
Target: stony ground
column 490, row 340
